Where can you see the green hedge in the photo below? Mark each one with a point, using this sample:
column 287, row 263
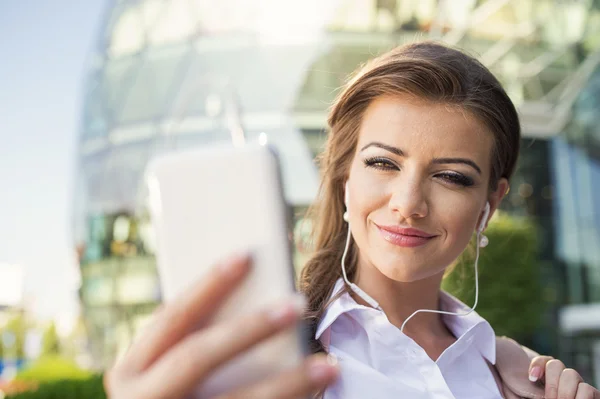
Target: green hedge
column 510, row 295
column 58, row 377
column 52, row 368
column 90, row 388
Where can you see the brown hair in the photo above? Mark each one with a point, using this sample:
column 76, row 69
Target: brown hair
column 426, row 70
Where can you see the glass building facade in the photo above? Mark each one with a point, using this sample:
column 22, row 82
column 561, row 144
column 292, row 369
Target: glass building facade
column 172, row 74
column 576, row 171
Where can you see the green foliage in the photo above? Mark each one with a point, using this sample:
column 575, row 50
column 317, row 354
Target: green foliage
column 509, row 281
column 50, row 341
column 89, row 388
column 17, row 326
column 52, row 368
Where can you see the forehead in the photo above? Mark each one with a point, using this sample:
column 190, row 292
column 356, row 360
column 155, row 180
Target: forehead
column 420, row 127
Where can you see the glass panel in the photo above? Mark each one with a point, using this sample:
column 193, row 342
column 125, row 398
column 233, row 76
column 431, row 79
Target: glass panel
column 176, row 22
column 156, row 83
column 97, row 245
column 137, row 288
column 282, row 17
column 327, row 74
column 97, row 283
column 113, row 177
column 92, row 169
column 591, row 39
column 119, row 76
column 355, row 16
column 127, row 35
column 95, row 116
column 122, row 177
column 151, row 11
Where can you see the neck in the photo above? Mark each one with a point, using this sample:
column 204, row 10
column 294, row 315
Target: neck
column 399, row 300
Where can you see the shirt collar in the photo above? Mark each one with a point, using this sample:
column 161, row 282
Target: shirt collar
column 484, row 337
column 343, row 304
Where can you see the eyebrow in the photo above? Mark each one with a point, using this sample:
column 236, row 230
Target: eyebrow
column 458, row 160
column 386, row 147
column 401, row 153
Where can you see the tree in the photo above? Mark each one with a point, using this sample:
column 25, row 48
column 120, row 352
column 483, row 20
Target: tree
column 13, row 335
column 50, row 341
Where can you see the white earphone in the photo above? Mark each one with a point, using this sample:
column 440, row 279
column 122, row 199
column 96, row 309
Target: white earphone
column 486, row 213
column 346, row 216
column 366, row 297
column 481, row 242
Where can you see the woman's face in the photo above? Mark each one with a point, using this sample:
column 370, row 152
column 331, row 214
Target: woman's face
column 417, row 186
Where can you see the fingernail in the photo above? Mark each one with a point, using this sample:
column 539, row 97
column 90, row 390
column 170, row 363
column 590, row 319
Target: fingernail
column 535, row 374
column 287, row 313
column 320, row 370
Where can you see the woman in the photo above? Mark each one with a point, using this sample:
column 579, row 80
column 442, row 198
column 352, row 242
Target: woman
column 422, row 144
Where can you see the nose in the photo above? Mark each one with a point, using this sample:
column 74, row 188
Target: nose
column 408, row 198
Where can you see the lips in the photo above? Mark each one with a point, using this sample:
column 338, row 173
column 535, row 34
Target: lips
column 405, row 237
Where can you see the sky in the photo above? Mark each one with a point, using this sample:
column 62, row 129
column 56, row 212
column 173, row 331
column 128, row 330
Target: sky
column 44, row 46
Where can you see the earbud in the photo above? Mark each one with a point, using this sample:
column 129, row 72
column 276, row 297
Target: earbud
column 486, row 213
column 346, row 216
column 483, row 240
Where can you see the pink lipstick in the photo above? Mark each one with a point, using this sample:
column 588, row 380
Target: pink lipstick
column 405, row 237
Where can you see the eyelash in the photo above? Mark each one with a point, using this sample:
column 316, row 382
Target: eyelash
column 386, row 165
column 380, row 164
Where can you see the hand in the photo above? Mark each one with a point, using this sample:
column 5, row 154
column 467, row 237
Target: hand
column 172, row 357
column 560, row 382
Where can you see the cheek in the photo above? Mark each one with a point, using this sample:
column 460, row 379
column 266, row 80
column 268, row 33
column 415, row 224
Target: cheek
column 369, row 202
column 458, row 219
column 368, row 193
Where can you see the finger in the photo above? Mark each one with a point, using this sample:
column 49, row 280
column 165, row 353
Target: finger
column 198, row 355
column 537, row 367
column 107, row 383
column 312, row 376
column 586, row 391
column 177, row 319
column 568, row 383
column 554, row 369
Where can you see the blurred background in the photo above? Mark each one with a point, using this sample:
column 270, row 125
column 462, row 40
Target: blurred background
column 91, row 91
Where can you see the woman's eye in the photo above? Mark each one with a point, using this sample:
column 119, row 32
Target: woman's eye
column 380, row 163
column 457, row 179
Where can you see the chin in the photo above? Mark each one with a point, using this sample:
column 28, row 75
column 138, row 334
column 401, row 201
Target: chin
column 406, row 270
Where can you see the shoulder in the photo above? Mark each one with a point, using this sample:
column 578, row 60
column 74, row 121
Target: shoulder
column 507, row 348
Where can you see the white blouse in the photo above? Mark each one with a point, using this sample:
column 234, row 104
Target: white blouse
column 377, row 361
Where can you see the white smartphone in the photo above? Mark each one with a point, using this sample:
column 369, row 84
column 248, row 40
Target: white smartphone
column 208, row 204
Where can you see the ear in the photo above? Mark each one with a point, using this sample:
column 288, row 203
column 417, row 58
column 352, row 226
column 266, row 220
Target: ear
column 495, row 197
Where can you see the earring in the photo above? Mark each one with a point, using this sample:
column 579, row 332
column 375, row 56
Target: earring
column 346, row 216
column 483, row 241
